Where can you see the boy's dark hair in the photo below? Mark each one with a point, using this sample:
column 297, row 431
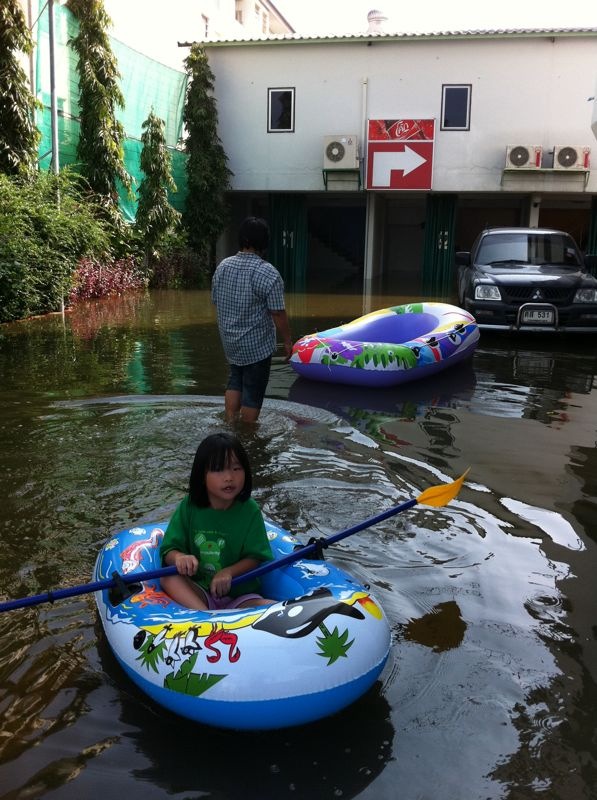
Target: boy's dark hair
column 214, row 454
column 254, row 232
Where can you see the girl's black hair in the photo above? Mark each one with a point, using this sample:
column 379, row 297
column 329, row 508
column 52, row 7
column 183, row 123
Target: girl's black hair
column 214, row 454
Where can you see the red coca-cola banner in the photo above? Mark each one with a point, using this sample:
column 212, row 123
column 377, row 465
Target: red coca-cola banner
column 381, row 130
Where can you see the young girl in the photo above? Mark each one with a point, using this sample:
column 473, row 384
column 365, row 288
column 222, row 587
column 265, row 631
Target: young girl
column 217, row 532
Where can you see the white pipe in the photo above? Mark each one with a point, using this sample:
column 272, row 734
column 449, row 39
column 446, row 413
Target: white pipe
column 53, row 99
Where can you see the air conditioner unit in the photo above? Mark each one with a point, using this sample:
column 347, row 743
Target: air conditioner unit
column 571, row 157
column 340, row 152
column 523, row 156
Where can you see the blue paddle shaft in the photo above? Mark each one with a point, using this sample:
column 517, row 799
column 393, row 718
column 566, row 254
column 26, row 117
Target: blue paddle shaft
column 269, row 566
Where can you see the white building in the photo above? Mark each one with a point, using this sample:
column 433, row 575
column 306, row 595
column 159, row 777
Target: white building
column 504, row 126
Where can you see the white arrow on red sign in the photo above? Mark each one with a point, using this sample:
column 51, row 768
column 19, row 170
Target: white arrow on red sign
column 384, row 163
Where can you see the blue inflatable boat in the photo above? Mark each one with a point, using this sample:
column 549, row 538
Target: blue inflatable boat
column 316, row 650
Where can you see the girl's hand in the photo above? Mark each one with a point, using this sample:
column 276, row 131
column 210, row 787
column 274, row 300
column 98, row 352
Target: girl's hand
column 221, row 583
column 186, row 564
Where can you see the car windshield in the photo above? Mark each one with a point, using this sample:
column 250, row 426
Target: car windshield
column 528, row 248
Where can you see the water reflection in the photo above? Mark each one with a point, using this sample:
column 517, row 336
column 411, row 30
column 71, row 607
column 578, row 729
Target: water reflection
column 336, row 757
column 442, row 629
column 491, row 686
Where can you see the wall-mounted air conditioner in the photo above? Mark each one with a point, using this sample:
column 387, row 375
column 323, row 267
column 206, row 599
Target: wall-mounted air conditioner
column 523, row 156
column 571, row 157
column 340, row 152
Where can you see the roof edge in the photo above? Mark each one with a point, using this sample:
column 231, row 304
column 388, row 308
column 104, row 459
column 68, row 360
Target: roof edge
column 370, row 38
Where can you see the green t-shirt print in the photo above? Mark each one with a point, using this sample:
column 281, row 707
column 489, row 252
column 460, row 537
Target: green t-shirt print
column 218, row 538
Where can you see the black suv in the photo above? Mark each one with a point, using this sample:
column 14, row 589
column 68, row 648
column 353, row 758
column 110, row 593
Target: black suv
column 528, row 279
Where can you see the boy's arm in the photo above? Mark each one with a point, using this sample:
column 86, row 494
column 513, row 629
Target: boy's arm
column 283, row 327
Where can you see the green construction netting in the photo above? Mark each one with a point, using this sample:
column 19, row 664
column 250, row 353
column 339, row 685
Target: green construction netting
column 145, row 84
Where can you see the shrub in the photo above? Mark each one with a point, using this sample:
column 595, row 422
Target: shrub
column 177, row 266
column 45, row 228
column 94, row 279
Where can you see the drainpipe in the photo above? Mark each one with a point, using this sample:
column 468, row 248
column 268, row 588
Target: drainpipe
column 534, row 209
column 55, row 165
column 369, row 215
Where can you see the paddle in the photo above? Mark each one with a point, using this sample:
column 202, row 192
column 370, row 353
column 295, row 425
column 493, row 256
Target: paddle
column 434, row 496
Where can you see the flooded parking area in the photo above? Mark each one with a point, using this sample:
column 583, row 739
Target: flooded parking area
column 490, row 688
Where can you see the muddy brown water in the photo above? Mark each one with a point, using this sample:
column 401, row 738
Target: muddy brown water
column 489, row 691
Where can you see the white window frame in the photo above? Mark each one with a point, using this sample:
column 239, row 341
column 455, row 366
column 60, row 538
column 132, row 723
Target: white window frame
column 270, row 95
column 445, row 90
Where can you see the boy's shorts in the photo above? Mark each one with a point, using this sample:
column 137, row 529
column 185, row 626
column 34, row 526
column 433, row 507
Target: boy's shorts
column 251, row 381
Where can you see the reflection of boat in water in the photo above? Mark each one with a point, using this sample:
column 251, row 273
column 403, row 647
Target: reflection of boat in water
column 388, row 347
column 452, row 387
column 299, row 764
column 313, row 652
column 372, row 413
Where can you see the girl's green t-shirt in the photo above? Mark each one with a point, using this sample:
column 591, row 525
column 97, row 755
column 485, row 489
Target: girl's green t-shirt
column 218, row 539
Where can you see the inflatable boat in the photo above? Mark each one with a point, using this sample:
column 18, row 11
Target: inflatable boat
column 388, row 347
column 319, row 647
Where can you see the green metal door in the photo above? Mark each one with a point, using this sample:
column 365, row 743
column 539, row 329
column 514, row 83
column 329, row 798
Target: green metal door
column 438, row 255
column 289, row 239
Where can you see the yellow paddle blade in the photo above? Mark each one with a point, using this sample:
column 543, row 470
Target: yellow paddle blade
column 441, row 495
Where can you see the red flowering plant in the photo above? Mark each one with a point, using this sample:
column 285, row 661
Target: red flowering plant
column 93, row 279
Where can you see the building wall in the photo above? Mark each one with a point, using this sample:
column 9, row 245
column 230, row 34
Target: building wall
column 155, row 28
column 531, row 90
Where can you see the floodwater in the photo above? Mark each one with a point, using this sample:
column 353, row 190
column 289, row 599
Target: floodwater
column 490, row 689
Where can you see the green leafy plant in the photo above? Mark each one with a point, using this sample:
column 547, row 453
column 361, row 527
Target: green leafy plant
column 42, row 241
column 208, row 176
column 156, row 218
column 19, row 136
column 100, row 148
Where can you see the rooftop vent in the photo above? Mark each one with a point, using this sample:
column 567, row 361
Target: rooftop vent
column 376, row 20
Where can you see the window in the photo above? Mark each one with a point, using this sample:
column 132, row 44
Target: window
column 238, row 11
column 280, row 110
column 456, row 107
column 205, row 24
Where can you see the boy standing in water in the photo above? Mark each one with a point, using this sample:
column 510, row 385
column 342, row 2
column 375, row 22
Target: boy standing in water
column 248, row 293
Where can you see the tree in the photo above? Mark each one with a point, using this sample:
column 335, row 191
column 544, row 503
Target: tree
column 100, row 148
column 155, row 216
column 208, row 176
column 19, row 136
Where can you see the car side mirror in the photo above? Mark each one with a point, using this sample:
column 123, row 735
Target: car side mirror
column 463, row 258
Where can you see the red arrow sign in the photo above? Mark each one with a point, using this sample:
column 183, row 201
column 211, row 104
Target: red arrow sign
column 400, row 153
column 399, row 165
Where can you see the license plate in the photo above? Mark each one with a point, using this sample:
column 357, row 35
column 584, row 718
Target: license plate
column 537, row 316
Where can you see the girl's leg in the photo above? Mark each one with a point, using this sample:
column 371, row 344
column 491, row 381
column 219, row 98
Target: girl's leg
column 184, row 591
column 254, row 601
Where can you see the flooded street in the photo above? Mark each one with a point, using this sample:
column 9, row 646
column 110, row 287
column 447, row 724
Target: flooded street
column 490, row 690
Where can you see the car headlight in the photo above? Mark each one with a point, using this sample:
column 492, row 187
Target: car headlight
column 485, row 291
column 585, row 296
